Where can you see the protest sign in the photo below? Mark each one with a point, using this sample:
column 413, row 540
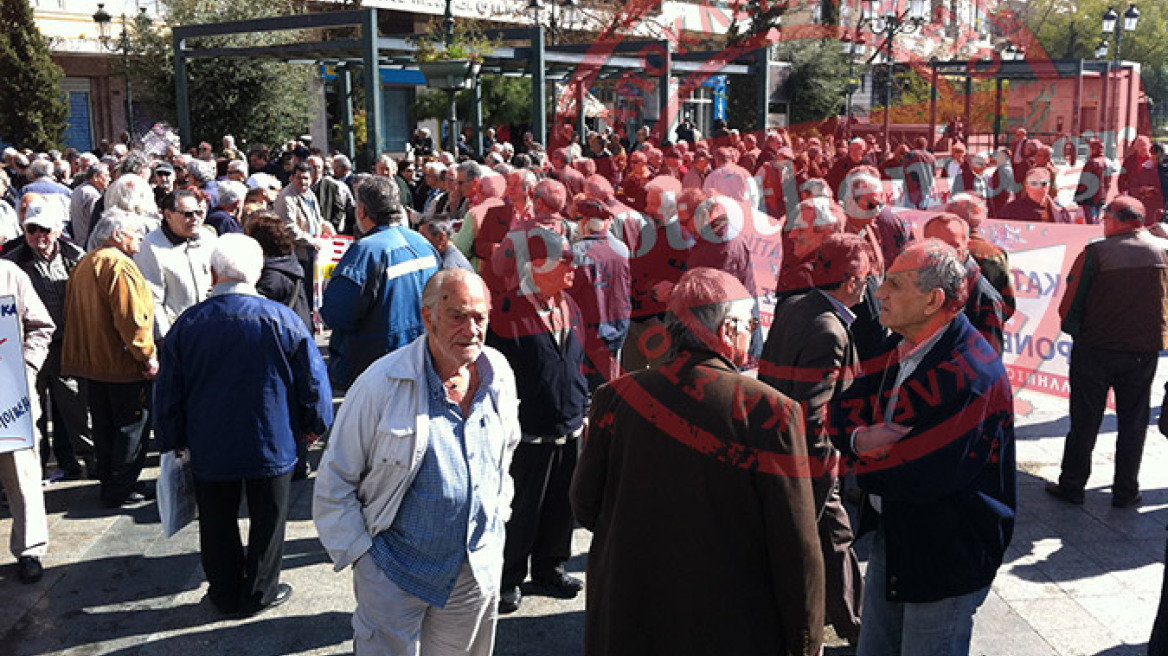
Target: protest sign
column 16, row 429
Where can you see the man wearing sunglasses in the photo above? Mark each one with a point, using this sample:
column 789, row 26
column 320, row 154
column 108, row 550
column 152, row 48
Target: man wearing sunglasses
column 1036, row 203
column 48, row 260
column 175, row 259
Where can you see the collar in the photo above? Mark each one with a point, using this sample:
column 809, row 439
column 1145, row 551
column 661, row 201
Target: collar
column 234, row 287
column 842, row 311
column 171, row 235
column 907, row 354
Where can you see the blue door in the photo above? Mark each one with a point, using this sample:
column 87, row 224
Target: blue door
column 79, row 130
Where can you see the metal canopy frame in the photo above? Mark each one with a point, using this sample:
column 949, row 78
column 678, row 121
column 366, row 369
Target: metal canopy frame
column 579, row 64
column 1045, row 69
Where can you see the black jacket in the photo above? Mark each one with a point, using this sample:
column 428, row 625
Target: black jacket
column 282, row 280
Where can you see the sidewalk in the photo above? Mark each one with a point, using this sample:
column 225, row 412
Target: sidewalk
column 1080, row 580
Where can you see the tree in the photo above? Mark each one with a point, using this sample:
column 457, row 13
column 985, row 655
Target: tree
column 257, row 100
column 1061, row 29
column 506, row 100
column 33, row 110
column 819, row 79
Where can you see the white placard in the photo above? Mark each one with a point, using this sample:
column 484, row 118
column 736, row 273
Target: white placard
column 16, row 430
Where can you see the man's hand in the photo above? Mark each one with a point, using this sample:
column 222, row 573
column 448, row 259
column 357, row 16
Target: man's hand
column 876, row 441
column 311, row 438
column 327, row 229
column 150, row 368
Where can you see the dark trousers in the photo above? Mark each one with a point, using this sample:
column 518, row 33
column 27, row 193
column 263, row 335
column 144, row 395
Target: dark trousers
column 121, row 417
column 65, row 400
column 1093, row 372
column 242, row 579
column 844, row 582
column 1158, row 644
column 541, row 514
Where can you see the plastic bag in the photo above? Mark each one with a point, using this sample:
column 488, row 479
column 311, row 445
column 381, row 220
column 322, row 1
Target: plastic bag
column 176, row 491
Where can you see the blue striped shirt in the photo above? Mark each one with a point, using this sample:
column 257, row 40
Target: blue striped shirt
column 442, row 515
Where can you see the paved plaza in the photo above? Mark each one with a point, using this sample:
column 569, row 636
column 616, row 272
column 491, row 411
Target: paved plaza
column 1080, row 580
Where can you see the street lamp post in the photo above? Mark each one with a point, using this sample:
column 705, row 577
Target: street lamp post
column 566, row 7
column 1112, row 27
column 103, row 20
column 889, row 25
column 452, row 104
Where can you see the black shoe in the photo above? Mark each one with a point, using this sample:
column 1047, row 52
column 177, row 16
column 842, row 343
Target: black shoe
column 283, row 594
column 1060, row 492
column 148, row 491
column 561, row 586
column 29, row 569
column 509, row 600
column 1127, row 502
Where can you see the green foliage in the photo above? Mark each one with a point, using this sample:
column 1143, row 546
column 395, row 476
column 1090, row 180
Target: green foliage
column 819, row 79
column 505, row 100
column 33, row 111
column 1073, row 29
column 257, row 100
column 467, row 42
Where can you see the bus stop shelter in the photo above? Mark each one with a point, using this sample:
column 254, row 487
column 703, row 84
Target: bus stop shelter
column 526, row 53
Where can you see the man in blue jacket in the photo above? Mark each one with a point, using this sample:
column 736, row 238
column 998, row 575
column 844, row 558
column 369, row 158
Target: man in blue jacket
column 241, row 421
column 373, row 303
column 932, row 434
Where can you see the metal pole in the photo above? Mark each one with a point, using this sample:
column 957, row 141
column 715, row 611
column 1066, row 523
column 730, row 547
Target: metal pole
column 476, row 117
column 182, row 100
column 997, row 111
column 373, row 100
column 452, row 122
column 347, row 111
column 538, row 86
column 933, row 107
column 764, row 87
column 888, row 92
column 129, row 87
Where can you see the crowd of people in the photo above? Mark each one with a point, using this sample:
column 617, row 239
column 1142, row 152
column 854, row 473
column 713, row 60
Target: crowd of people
column 544, row 337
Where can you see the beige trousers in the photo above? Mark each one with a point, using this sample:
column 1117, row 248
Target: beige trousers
column 20, row 474
column 391, row 622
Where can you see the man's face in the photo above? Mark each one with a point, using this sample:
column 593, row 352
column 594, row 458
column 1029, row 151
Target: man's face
column 1037, row 187
column 129, row 241
column 435, row 237
column 257, row 162
column 856, row 285
column 302, row 181
column 1143, row 148
column 186, row 217
column 515, row 191
column 100, row 181
column 236, row 175
column 317, row 165
column 43, row 240
column 164, row 180
column 903, row 307
column 1020, row 134
column 805, row 241
column 738, row 326
column 552, row 278
column 457, row 326
column 467, row 187
column 856, row 151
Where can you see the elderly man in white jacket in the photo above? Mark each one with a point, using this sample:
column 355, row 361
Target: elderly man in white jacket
column 176, row 259
column 414, row 489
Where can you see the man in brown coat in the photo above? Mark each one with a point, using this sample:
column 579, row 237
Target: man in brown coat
column 694, row 482
column 109, row 341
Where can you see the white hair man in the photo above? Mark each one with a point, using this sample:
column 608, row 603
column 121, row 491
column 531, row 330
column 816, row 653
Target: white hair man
column 109, row 342
column 85, row 197
column 226, row 217
column 334, row 197
column 426, row 546
column 274, row 394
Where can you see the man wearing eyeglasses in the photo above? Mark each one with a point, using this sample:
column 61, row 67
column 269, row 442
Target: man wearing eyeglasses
column 809, row 356
column 1036, row 203
column 176, row 259
column 1114, row 309
column 48, row 260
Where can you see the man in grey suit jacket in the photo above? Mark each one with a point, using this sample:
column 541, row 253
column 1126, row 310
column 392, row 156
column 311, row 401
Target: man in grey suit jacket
column 809, row 356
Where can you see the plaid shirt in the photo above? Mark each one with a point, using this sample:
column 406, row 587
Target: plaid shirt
column 442, row 515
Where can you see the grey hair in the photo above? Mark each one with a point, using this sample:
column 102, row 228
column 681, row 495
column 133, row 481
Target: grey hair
column 471, row 170
column 436, row 169
column 381, row 199
column 493, row 159
column 441, row 226
column 711, row 316
column 231, row 192
column 95, row 170
column 237, row 165
column 237, row 257
column 201, row 171
column 432, row 293
column 61, row 169
column 341, row 162
column 115, row 221
column 944, row 270
column 389, row 162
column 131, row 193
column 135, row 161
column 41, row 168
